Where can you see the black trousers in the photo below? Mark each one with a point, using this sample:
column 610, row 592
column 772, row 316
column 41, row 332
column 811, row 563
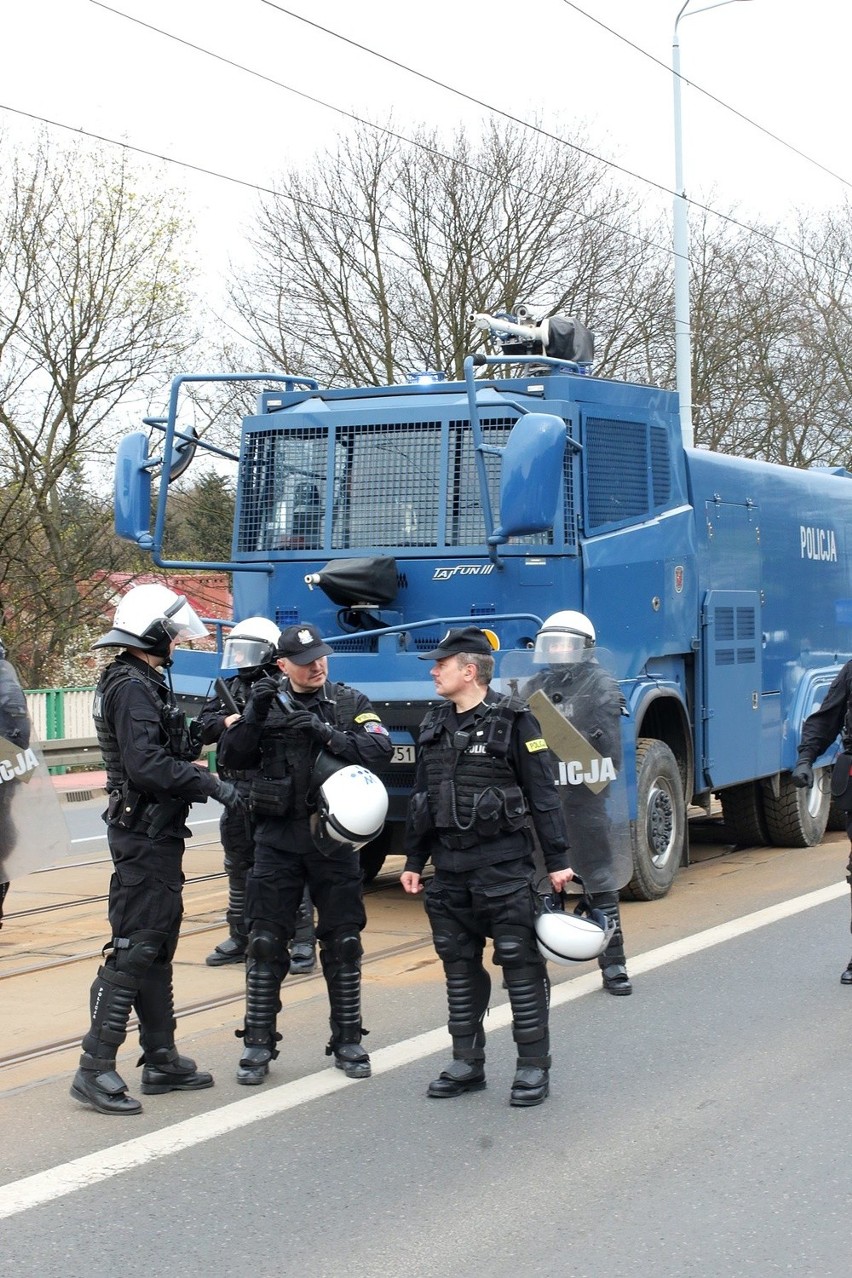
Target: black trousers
column 276, row 882
column 146, row 888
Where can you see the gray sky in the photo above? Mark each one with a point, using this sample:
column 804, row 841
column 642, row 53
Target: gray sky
column 782, row 64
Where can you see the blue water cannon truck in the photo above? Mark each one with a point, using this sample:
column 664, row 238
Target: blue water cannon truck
column 720, row 587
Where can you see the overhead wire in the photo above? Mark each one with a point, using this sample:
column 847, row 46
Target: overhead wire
column 726, row 106
column 422, row 75
column 764, row 235
column 165, row 159
column 384, row 129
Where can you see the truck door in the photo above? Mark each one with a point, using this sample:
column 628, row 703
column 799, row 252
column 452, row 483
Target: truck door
column 732, row 661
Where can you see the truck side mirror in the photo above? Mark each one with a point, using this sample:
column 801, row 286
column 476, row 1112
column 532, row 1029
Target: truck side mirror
column 530, row 476
column 133, row 489
column 183, row 452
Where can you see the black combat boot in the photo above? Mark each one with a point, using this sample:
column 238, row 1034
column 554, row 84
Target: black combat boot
column 341, row 965
column 846, row 975
column 529, row 995
column 612, row 962
column 531, row 1084
column 96, row 1083
column 234, row 948
column 468, row 991
column 164, row 1069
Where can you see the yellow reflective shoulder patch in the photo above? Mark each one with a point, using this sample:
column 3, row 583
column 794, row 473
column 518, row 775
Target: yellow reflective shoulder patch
column 538, row 743
column 366, row 718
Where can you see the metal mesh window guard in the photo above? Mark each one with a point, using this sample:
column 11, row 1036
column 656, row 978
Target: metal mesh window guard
column 393, row 485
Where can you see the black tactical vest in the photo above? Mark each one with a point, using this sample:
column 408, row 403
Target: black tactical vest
column 471, row 786
column 117, row 672
column 285, row 753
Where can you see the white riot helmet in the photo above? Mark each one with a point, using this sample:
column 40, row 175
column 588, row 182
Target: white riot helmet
column 571, row 938
column 352, row 804
column 563, row 639
column 150, row 617
column 250, row 644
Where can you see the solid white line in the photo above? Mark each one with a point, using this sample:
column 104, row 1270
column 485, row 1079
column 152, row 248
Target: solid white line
column 94, row 838
column 48, row 1185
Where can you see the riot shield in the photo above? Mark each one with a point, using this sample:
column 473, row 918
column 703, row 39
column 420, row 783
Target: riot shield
column 581, row 711
column 33, row 832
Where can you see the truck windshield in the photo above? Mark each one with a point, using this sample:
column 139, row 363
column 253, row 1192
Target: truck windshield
column 389, row 485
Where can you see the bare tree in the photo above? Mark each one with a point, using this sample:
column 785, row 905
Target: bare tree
column 94, row 305
column 370, row 264
column 772, row 340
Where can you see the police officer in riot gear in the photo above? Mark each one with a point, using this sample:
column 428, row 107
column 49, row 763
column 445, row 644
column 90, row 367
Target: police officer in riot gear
column 483, row 770
column 832, row 719
column 286, row 726
column 152, row 781
column 250, row 650
column 589, row 697
column 14, row 728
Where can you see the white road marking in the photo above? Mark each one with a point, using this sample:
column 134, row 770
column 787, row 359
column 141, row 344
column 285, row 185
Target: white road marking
column 101, row 838
column 46, row 1186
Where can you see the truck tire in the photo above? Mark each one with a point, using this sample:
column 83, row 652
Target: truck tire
column 744, row 816
column 660, row 821
column 797, row 818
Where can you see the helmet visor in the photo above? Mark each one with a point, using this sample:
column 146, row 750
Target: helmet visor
column 182, row 622
column 560, row 647
column 246, row 654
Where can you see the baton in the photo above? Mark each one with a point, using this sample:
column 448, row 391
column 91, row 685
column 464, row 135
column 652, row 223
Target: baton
column 226, row 696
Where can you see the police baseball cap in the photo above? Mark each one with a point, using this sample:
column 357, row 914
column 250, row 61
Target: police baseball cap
column 302, row 644
column 456, row 641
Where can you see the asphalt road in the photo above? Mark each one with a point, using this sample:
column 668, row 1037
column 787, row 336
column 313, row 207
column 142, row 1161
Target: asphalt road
column 700, row 1127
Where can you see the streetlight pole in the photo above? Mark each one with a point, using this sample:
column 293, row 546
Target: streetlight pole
column 680, row 224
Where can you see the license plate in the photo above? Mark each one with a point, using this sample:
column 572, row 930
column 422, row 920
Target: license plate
column 403, row 754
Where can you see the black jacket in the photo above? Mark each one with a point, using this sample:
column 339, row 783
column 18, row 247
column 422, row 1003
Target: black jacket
column 365, row 740
column 826, row 723
column 534, row 769
column 131, row 709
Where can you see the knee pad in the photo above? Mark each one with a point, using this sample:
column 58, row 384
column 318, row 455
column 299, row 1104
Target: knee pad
column 343, row 947
column 514, row 949
column 134, row 954
column 266, row 946
column 455, row 947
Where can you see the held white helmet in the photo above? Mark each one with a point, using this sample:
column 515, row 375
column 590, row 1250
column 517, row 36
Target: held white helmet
column 352, row 804
column 149, row 617
column 563, row 639
column 250, row 644
column 570, row 938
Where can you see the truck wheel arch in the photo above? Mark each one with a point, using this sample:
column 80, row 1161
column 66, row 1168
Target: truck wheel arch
column 663, row 791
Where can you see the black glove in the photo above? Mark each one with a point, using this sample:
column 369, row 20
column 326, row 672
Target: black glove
column 228, row 795
column 304, row 721
column 803, row 775
column 261, row 697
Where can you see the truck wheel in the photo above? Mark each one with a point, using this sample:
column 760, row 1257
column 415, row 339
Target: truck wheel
column 660, row 821
column 744, row 816
column 797, row 818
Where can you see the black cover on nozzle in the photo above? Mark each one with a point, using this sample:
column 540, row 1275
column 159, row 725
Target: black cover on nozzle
column 569, row 339
column 349, row 582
